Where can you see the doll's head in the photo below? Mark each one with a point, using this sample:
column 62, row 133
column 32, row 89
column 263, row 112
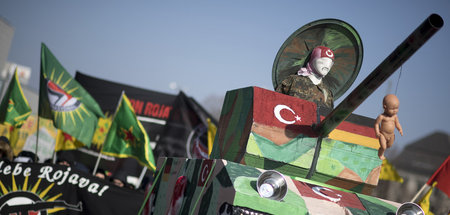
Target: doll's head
column 322, row 59
column 391, row 104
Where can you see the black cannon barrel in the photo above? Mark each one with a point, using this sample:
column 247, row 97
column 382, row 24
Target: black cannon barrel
column 386, row 68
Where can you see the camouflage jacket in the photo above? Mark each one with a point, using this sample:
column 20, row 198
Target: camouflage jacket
column 302, row 87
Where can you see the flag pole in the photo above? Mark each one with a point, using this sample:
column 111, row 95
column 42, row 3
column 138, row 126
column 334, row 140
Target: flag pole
column 141, row 177
column 38, row 117
column 419, row 193
column 100, row 152
column 153, row 186
column 97, row 162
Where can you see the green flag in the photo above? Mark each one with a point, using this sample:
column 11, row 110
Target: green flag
column 14, row 109
column 65, row 101
column 127, row 137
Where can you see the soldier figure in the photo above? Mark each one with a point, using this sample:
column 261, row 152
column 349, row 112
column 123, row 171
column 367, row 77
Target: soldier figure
column 307, row 83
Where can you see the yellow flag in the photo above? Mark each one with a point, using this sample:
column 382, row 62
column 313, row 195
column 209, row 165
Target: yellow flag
column 425, row 201
column 66, row 142
column 212, row 129
column 101, row 131
column 388, row 172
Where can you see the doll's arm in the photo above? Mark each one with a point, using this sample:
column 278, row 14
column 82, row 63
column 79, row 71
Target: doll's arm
column 399, row 127
column 377, row 125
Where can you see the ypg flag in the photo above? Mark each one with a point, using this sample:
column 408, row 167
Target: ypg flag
column 66, row 142
column 64, row 100
column 14, row 109
column 127, row 137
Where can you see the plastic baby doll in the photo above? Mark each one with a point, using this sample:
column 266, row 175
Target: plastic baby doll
column 386, row 123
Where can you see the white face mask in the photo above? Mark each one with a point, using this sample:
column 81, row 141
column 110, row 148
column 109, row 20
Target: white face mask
column 322, row 65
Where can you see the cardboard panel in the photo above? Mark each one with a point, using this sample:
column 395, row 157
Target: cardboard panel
column 269, row 130
column 196, row 186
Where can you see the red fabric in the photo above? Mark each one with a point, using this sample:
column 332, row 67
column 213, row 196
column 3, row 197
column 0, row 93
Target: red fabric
column 442, row 176
column 322, row 51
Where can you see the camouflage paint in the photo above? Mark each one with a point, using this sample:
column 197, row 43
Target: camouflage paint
column 265, row 142
column 234, row 185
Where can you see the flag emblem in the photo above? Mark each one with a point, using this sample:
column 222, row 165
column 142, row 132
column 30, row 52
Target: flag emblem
column 128, row 137
column 59, row 99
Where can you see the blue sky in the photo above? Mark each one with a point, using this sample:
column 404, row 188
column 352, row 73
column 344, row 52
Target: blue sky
column 210, row 47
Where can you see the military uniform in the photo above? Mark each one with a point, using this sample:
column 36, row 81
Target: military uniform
column 302, row 87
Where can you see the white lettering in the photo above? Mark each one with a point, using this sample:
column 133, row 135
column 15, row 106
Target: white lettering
column 73, row 179
column 7, row 170
column 93, row 188
column 103, row 190
column 45, row 173
column 66, row 173
column 57, row 175
column 17, row 169
column 83, row 182
column 27, row 172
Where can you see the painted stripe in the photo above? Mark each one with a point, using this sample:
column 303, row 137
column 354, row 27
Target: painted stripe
column 356, row 128
column 350, row 137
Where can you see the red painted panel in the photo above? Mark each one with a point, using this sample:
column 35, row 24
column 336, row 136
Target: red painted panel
column 341, row 198
column 283, row 111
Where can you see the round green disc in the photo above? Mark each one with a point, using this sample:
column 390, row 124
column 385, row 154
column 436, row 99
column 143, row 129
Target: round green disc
column 335, row 34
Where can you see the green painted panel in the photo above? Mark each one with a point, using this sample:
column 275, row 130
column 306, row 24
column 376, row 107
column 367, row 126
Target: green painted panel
column 247, row 196
column 376, row 206
column 335, row 155
column 287, row 153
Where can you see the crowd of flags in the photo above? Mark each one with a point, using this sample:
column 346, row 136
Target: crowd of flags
column 76, row 114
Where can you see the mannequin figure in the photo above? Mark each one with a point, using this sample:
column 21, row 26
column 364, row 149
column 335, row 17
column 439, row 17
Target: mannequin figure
column 307, row 83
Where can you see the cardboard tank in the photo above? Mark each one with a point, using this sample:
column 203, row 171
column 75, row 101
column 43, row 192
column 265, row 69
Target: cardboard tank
column 278, row 154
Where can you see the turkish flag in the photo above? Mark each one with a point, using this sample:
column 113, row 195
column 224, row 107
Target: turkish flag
column 442, row 176
column 279, row 110
column 341, row 198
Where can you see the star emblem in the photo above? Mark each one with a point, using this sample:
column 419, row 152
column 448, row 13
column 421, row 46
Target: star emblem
column 67, row 137
column 127, row 136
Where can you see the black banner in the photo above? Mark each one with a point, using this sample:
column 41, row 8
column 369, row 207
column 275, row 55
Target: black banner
column 185, row 134
column 152, row 108
column 28, row 189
